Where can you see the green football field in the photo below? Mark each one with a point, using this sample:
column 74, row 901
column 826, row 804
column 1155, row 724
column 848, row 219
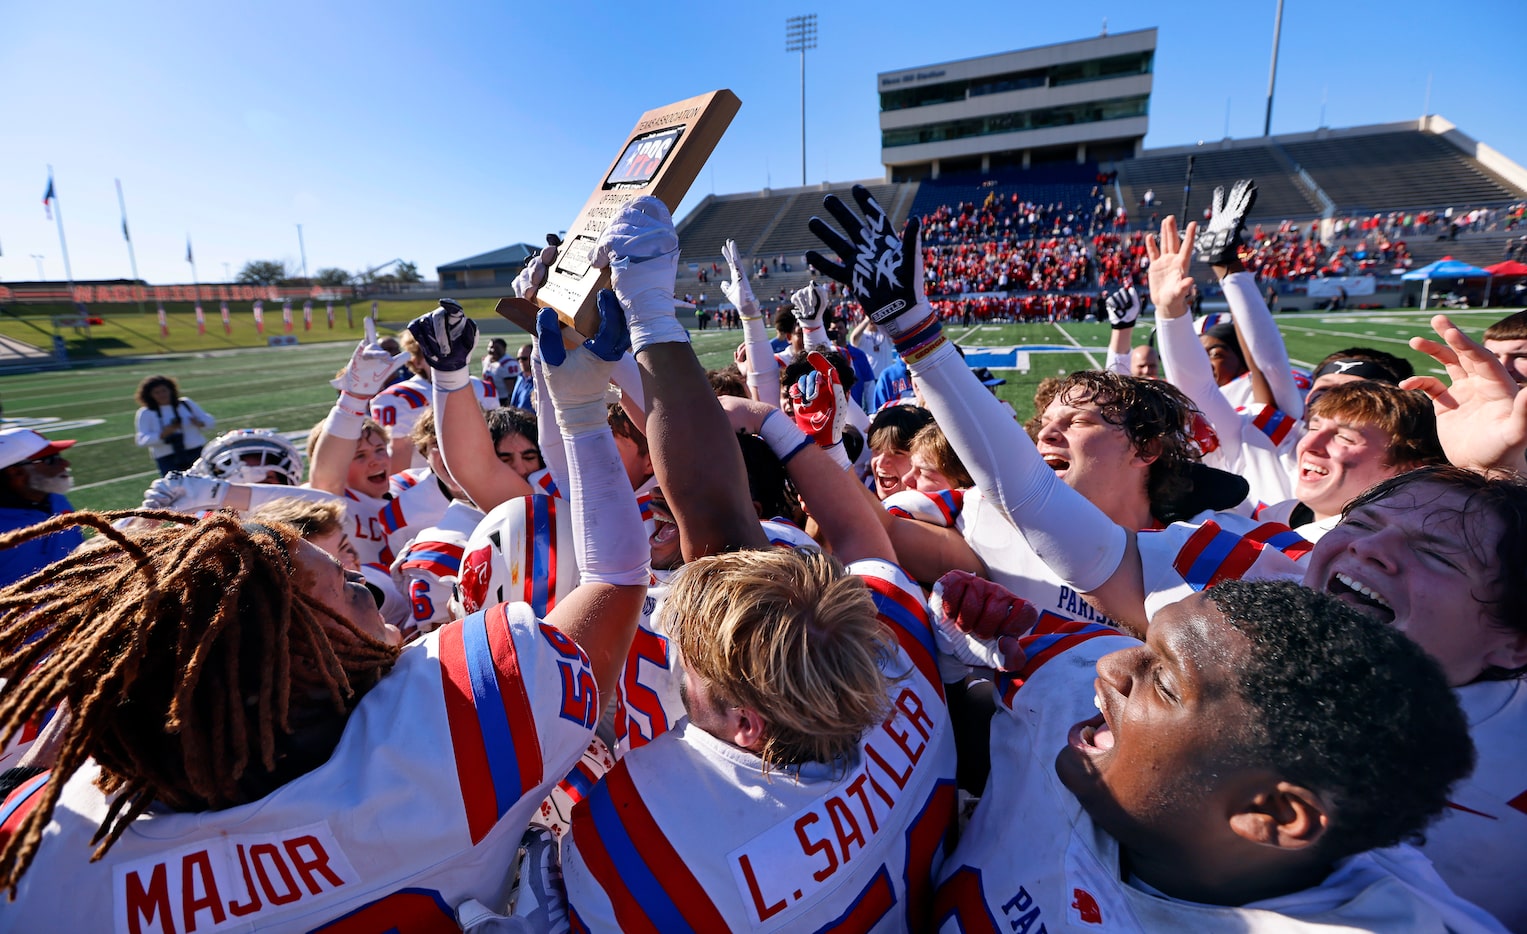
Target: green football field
column 286, row 388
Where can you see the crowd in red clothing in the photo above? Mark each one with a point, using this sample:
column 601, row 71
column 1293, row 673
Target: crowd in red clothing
column 1120, row 259
column 1010, row 219
column 1051, row 265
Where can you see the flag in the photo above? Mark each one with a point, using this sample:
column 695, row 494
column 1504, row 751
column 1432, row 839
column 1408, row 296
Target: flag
column 201, row 320
column 259, row 316
column 189, row 257
column 349, row 316
column 286, row 316
column 48, row 197
column 307, row 315
column 329, row 307
column 227, row 321
column 164, row 322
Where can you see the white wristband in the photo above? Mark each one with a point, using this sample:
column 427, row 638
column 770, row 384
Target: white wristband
column 451, row 380
column 782, row 435
column 346, row 418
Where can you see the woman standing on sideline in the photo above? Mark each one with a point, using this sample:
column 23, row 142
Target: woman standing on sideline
column 168, row 425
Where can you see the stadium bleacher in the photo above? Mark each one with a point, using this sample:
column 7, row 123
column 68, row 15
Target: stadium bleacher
column 1396, row 171
column 1279, row 195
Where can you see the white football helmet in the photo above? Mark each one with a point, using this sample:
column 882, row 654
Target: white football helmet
column 250, row 455
column 522, row 551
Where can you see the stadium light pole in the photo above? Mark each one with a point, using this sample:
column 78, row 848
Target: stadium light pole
column 39, row 258
column 303, row 251
column 1272, row 74
column 800, row 35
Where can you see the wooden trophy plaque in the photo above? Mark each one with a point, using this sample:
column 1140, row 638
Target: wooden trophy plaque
column 661, row 156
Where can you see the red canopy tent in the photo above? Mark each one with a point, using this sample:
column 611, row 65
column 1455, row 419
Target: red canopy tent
column 1509, row 268
column 1504, row 282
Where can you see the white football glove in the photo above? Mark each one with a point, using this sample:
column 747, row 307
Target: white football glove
column 641, row 249
column 810, row 302
column 738, row 290
column 533, row 276
column 369, row 368
column 1123, row 308
column 182, row 492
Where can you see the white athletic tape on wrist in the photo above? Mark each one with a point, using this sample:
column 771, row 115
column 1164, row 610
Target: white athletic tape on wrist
column 782, row 435
column 451, row 380
column 657, row 328
column 345, row 421
column 839, row 455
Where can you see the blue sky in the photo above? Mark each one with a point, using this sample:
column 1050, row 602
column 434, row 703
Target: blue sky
column 432, row 132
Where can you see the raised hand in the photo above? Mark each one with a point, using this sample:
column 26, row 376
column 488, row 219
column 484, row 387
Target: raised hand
column 736, row 289
column 1170, row 258
column 183, row 492
column 883, row 270
column 979, row 621
column 446, row 339
column 641, row 249
column 1219, row 242
column 580, row 376
column 1481, row 411
column 369, row 368
column 1123, row 307
column 810, row 302
column 533, row 276
column 821, row 409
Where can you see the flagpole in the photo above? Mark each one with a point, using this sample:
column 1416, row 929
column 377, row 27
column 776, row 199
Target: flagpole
column 63, row 245
column 195, row 284
column 132, row 257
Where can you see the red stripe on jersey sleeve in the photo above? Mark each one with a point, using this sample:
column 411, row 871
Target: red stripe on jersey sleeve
column 629, row 915
column 659, row 855
column 511, row 687
column 472, row 772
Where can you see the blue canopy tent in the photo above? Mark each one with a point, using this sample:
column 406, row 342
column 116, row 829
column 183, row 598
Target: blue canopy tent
column 1444, row 268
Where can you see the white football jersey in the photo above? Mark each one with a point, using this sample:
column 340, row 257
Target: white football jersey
column 1480, row 844
column 1031, row 858
column 364, row 523
column 1186, row 557
column 421, row 806
column 689, row 833
column 399, row 406
column 418, row 502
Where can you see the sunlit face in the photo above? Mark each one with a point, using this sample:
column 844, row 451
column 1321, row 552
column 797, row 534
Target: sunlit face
column 370, row 467
column 1148, row 767
column 888, row 467
column 1093, row 457
column 337, row 543
column 1144, row 362
column 343, row 592
column 1417, row 560
column 924, row 476
column 1338, row 459
column 519, row 452
column 1512, row 355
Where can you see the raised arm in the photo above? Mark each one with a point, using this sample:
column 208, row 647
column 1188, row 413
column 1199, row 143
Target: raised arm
column 1219, row 245
column 1080, row 543
column 363, row 377
column 446, row 337
column 1123, row 307
column 694, row 455
column 762, row 369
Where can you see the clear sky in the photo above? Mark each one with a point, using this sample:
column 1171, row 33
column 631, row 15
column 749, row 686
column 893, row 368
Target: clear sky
column 434, row 131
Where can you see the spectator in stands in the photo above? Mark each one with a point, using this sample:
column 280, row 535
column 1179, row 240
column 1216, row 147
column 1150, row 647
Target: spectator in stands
column 169, row 424
column 1507, row 339
column 34, row 476
column 784, row 329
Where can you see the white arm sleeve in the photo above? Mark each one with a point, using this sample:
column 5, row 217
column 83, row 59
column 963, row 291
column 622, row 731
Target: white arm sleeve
column 550, row 433
column 816, row 335
column 1118, row 363
column 763, row 369
column 1186, row 364
column 1079, row 543
column 1264, row 343
column 629, row 378
column 608, row 538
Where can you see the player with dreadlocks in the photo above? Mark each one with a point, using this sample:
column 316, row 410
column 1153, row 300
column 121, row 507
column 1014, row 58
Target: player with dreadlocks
column 233, row 696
